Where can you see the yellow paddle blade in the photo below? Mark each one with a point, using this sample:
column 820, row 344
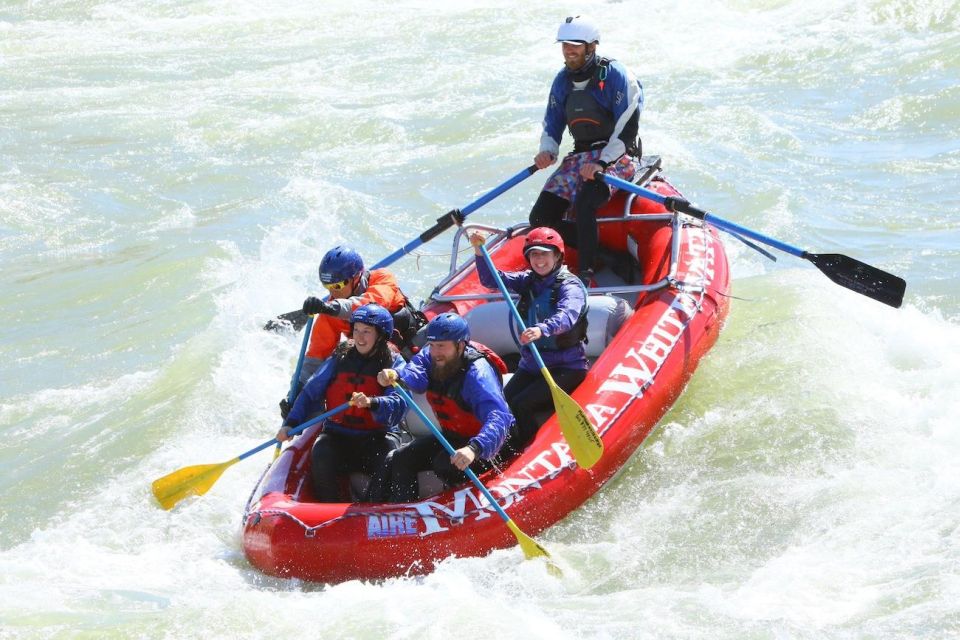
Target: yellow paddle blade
column 585, row 445
column 189, row 481
column 532, row 549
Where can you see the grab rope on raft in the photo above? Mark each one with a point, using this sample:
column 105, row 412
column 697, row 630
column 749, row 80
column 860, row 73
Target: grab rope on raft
column 254, row 517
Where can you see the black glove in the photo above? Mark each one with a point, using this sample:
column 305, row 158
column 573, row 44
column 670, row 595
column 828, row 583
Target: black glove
column 284, row 408
column 313, row 306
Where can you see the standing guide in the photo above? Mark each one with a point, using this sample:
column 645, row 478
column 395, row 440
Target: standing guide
column 599, row 101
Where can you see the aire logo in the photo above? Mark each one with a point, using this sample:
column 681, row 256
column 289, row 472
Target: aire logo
column 388, row 525
column 434, row 517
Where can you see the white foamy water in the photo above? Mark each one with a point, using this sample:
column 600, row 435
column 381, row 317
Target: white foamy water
column 171, row 173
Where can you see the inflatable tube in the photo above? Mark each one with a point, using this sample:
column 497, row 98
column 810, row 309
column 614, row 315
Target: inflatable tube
column 638, row 374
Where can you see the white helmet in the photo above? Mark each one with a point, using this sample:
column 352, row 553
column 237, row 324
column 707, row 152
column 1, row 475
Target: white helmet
column 577, row 30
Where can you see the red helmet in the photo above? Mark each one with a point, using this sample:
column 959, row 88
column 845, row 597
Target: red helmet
column 543, row 239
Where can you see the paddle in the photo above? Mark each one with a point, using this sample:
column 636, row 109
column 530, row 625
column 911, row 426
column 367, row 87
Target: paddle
column 295, row 380
column 585, row 445
column 531, row 548
column 297, row 319
column 196, row 480
column 843, row 270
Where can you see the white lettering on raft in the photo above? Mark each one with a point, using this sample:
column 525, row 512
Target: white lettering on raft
column 470, row 502
column 638, row 368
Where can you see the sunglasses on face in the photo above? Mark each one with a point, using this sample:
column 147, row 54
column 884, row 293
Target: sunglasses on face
column 336, row 286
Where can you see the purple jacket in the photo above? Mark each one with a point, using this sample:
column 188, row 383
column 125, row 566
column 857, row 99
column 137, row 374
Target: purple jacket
column 570, row 302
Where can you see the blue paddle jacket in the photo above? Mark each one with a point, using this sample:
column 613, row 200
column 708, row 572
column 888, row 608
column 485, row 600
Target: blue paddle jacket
column 481, row 391
column 621, row 95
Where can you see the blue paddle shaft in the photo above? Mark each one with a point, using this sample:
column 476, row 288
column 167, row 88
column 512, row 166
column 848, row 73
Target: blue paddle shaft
column 446, row 445
column 295, row 431
column 295, row 381
column 455, row 217
column 678, row 204
column 513, row 307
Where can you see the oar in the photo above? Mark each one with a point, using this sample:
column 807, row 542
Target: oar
column 196, row 480
column 295, row 380
column 531, row 548
column 585, row 445
column 453, row 217
column 843, row 270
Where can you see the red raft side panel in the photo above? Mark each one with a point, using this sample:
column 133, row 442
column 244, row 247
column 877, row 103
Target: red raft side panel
column 627, row 391
column 614, row 236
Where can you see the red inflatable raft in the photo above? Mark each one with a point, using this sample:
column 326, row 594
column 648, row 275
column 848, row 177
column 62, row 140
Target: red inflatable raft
column 679, row 299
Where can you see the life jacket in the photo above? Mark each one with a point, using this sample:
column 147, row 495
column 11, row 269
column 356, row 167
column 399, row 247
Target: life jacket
column 355, row 373
column 535, row 309
column 407, row 321
column 446, row 399
column 590, row 124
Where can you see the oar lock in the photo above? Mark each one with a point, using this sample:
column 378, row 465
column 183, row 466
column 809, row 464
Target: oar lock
column 682, row 205
column 452, row 217
column 444, row 222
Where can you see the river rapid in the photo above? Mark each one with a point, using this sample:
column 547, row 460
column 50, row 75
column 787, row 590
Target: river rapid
column 172, row 172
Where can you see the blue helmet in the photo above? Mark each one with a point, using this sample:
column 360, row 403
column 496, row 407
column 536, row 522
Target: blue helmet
column 339, row 264
column 374, row 315
column 448, row 326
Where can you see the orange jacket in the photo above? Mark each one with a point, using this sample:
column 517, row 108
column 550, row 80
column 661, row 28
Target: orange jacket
column 378, row 286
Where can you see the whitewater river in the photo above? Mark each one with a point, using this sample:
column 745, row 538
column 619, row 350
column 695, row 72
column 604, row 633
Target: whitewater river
column 171, row 173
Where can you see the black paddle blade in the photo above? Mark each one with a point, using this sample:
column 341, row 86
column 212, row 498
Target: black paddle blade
column 860, row 277
column 295, row 320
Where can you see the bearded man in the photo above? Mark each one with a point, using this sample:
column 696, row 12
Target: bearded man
column 599, row 101
column 463, row 384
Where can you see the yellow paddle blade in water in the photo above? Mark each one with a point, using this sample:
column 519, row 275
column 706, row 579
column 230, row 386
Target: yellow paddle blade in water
column 585, row 444
column 186, row 482
column 532, row 549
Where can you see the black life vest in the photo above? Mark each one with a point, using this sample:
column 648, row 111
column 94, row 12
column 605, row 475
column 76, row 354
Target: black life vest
column 536, row 309
column 407, row 321
column 446, row 399
column 590, row 124
column 356, row 373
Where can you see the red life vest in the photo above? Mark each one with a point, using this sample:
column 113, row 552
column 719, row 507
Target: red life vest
column 445, row 397
column 355, row 373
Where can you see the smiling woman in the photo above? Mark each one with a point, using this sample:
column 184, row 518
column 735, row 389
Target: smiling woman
column 171, row 175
